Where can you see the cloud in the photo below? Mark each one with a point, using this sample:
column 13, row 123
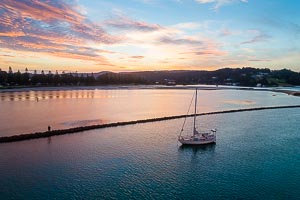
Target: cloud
column 172, row 45
column 226, row 32
column 259, row 37
column 123, row 22
column 55, row 27
column 220, row 3
column 259, row 60
column 137, row 57
column 179, row 41
column 207, row 52
column 61, row 29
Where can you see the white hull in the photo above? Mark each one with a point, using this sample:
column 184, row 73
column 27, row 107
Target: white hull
column 191, row 142
column 198, row 139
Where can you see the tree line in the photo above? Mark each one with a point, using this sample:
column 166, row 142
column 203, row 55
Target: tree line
column 11, row 78
column 246, row 76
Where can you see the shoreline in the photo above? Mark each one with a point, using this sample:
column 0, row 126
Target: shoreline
column 37, row 135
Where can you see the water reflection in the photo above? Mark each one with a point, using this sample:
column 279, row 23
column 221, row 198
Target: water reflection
column 49, row 140
column 48, row 95
column 197, row 154
column 196, row 149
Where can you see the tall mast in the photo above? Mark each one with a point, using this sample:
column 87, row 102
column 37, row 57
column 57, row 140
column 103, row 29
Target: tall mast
column 194, row 131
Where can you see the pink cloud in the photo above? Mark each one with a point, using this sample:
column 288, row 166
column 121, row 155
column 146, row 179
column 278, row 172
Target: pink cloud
column 122, row 22
column 137, row 57
column 54, row 27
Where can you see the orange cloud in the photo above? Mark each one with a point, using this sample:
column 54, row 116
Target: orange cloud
column 12, row 34
column 53, row 27
column 43, row 11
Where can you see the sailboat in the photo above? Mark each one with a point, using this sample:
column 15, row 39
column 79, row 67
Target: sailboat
column 198, row 138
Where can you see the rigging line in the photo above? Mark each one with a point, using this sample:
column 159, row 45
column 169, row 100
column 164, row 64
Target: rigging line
column 186, row 115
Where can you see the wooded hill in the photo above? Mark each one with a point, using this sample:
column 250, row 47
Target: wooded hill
column 227, row 76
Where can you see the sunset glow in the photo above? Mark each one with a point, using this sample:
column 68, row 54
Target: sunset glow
column 135, row 35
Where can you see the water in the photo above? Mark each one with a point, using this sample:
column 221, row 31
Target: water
column 256, row 157
column 295, row 88
column 31, row 111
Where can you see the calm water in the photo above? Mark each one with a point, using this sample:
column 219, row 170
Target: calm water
column 256, row 157
column 31, row 111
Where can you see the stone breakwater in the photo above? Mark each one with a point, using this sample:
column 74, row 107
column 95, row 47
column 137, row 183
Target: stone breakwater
column 294, row 93
column 46, row 134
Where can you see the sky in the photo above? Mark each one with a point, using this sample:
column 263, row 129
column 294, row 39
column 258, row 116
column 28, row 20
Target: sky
column 146, row 35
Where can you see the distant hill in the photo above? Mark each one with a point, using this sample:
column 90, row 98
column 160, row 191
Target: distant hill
column 228, row 76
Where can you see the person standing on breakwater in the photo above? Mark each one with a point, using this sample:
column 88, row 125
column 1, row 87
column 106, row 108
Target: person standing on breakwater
column 49, row 128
